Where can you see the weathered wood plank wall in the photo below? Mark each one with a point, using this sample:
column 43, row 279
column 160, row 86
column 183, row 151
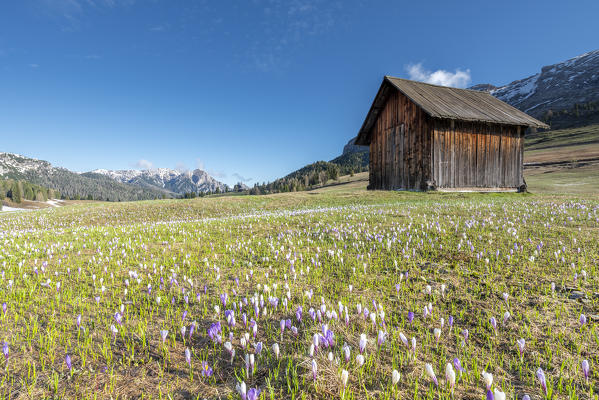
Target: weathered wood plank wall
column 400, row 146
column 477, row 155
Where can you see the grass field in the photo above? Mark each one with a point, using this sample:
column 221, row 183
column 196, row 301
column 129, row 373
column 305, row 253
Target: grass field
column 202, row 298
column 563, row 145
column 567, row 161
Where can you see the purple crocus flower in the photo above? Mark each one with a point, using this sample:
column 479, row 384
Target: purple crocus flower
column 465, row 333
column 188, row 356
column 329, row 338
column 258, row 347
column 493, row 322
column 253, row 394
column 583, row 319
column 78, row 320
column 206, row 370
column 541, row 377
column 314, row 368
column 521, row 343
column 163, row 335
column 431, row 373
column 118, row 318
column 362, row 343
column 214, row 332
column 586, row 370
column 298, row 314
column 67, row 360
column 183, row 315
column 230, row 317
column 4, row 308
column 410, row 316
column 5, row 350
column 457, row 364
column 223, row 298
column 490, row 395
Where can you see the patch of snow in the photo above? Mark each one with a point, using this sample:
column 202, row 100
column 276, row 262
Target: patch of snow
column 518, row 90
column 55, row 202
column 12, row 209
column 544, row 103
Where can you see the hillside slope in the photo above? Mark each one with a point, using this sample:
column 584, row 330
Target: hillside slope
column 71, row 184
column 565, row 94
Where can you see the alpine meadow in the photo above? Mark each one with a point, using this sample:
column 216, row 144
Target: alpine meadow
column 299, row 200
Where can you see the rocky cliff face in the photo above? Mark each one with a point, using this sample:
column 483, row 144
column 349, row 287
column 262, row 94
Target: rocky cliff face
column 166, row 179
column 566, row 93
column 351, row 147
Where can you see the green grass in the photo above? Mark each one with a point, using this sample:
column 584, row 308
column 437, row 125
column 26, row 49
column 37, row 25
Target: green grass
column 576, row 179
column 562, row 138
column 341, row 243
column 565, row 145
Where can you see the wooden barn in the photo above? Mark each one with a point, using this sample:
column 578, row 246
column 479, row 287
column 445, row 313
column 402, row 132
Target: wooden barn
column 428, row 137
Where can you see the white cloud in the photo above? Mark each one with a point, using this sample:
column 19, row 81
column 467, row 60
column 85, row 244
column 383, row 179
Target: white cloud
column 181, row 167
column 459, row 78
column 213, row 173
column 217, row 174
column 241, row 178
column 34, row 65
column 144, row 164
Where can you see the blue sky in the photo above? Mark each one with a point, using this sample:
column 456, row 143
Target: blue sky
column 247, row 90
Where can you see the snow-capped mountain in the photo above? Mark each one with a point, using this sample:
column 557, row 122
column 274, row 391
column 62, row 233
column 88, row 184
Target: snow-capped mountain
column 166, row 179
column 105, row 184
column 16, row 164
column 72, row 184
column 562, row 93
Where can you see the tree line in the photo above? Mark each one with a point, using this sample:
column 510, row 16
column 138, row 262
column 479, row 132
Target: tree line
column 316, row 174
column 17, row 191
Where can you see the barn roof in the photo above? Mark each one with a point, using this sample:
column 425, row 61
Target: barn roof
column 449, row 103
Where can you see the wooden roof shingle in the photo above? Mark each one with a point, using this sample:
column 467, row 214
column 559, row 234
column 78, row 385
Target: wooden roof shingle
column 449, row 103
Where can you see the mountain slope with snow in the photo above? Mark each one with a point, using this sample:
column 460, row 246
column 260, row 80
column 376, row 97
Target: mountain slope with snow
column 563, row 94
column 72, row 184
column 171, row 180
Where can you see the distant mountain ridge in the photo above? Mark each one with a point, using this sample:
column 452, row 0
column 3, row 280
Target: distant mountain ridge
column 71, row 184
column 171, row 180
column 102, row 184
column 563, row 94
